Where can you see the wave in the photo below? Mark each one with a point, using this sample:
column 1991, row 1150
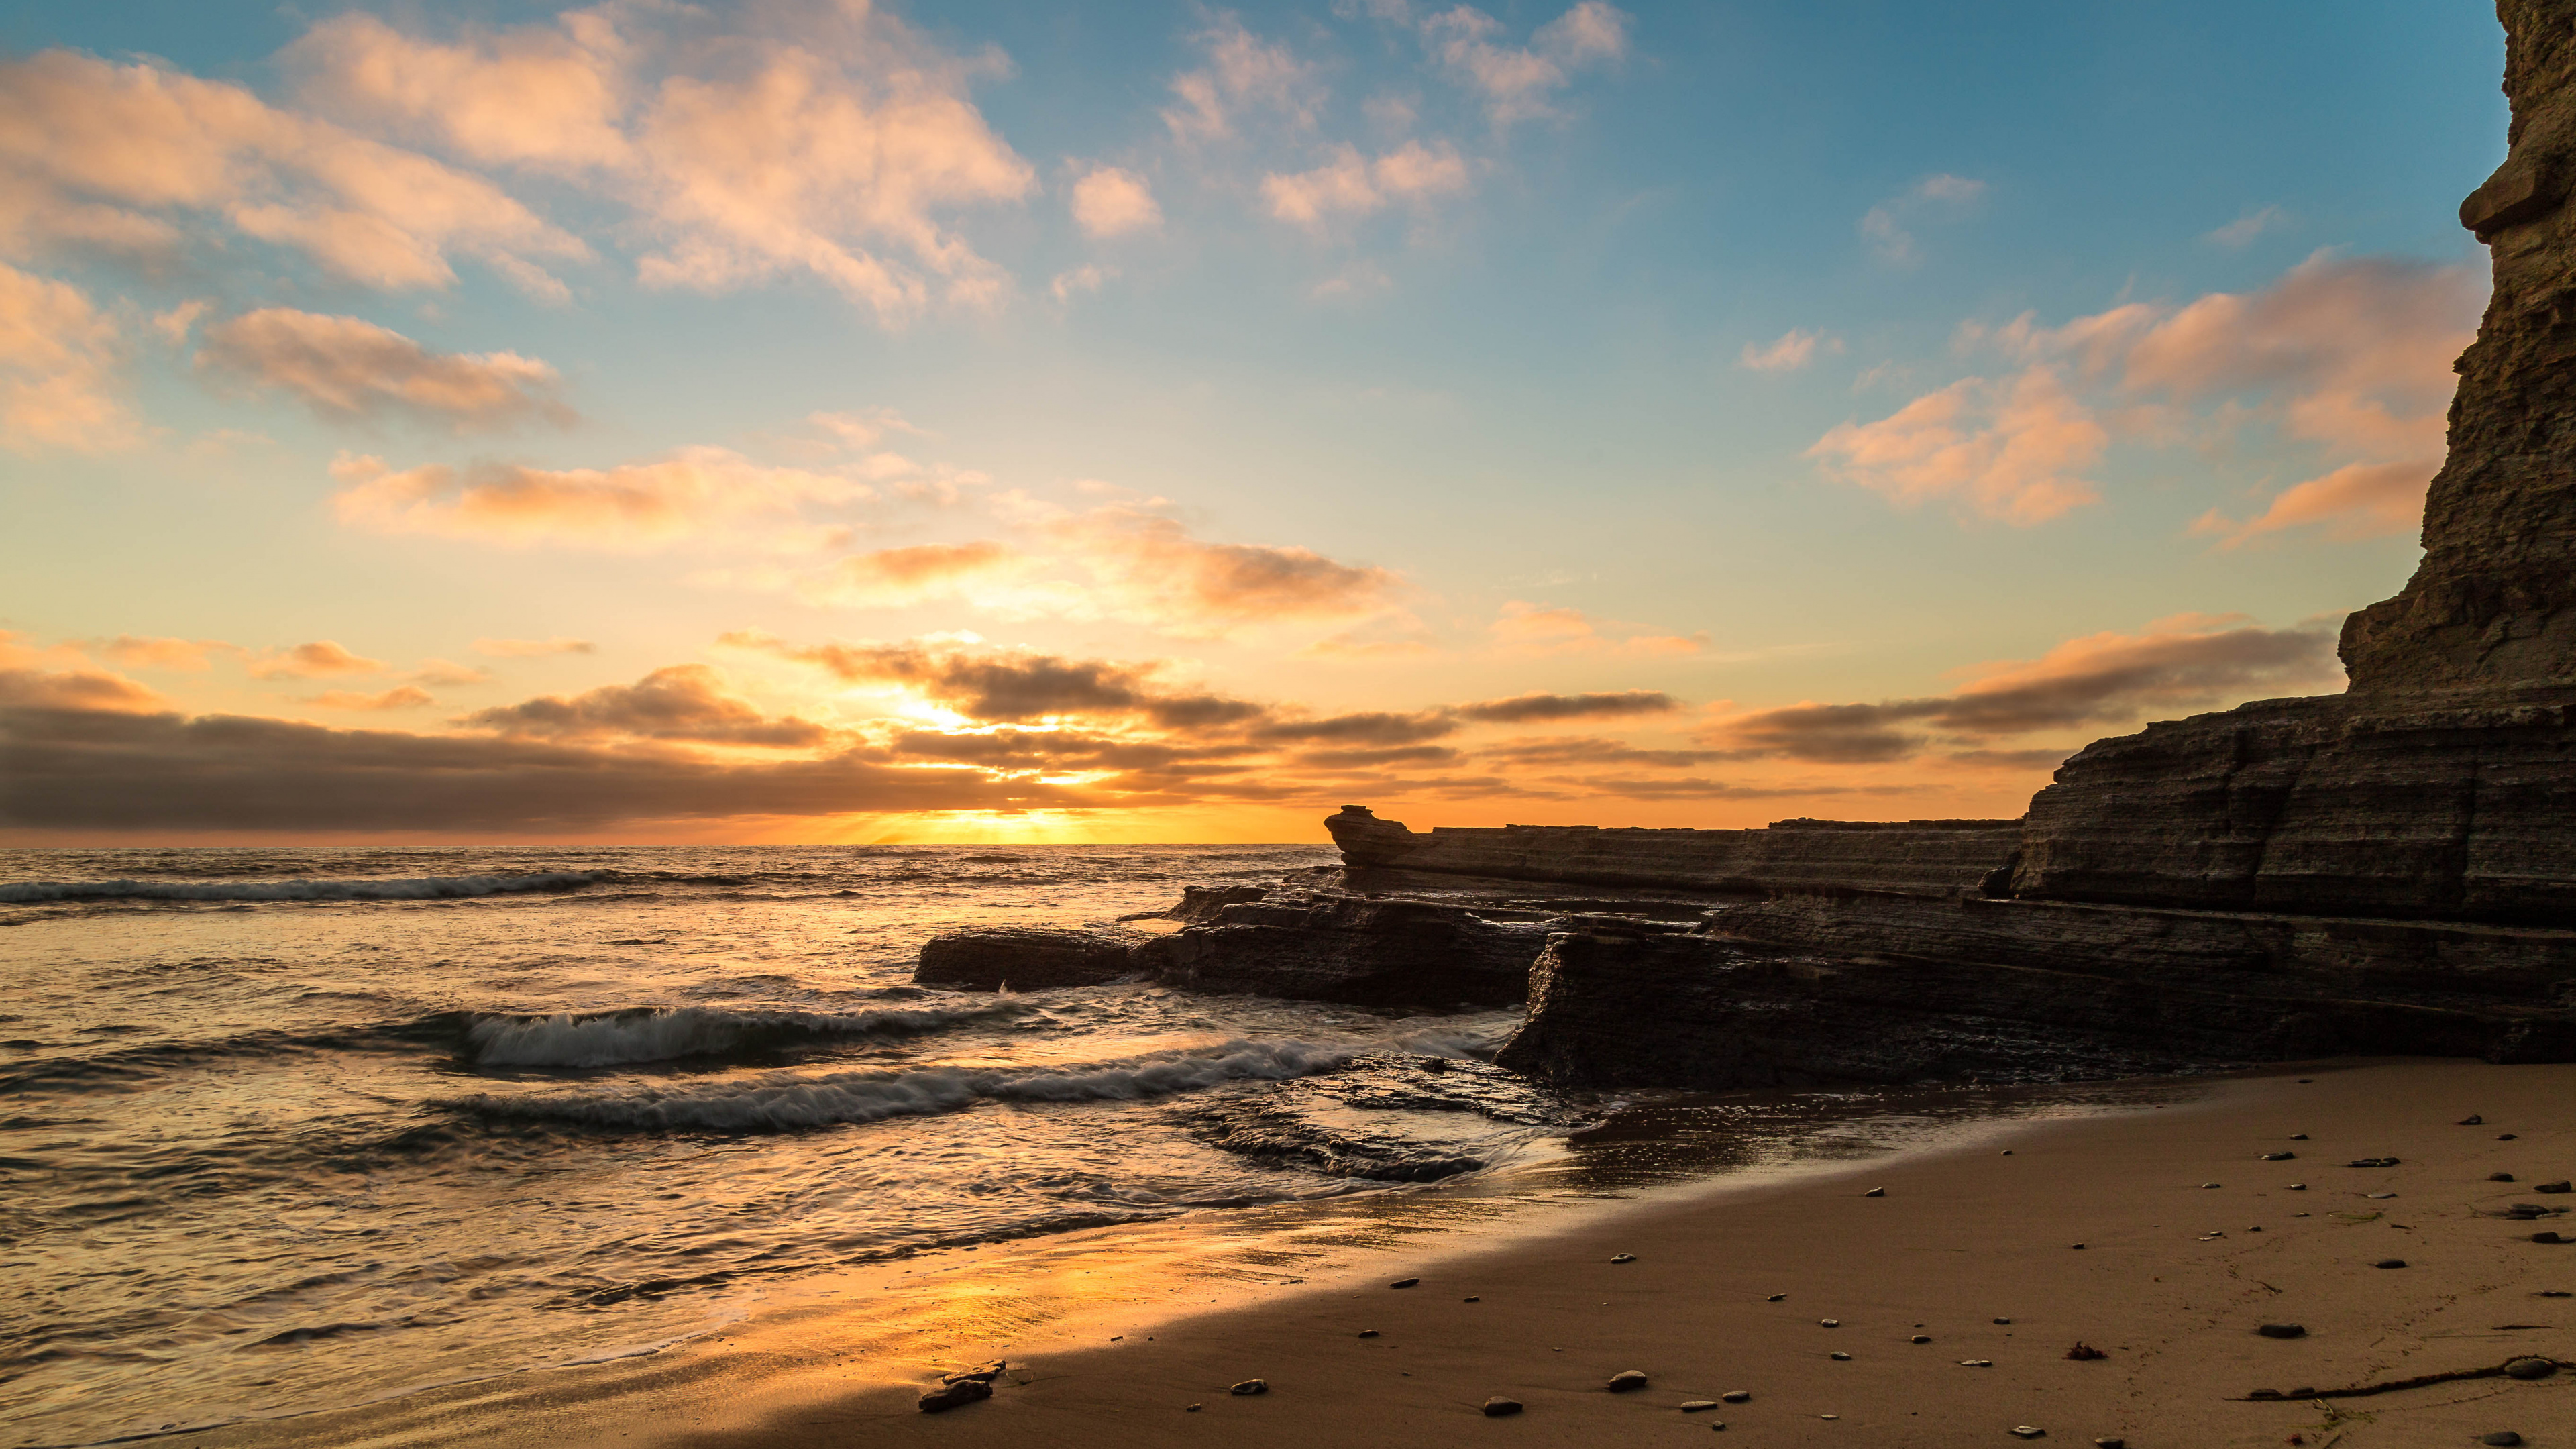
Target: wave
column 661, row 1034
column 423, row 888
column 781, row 1103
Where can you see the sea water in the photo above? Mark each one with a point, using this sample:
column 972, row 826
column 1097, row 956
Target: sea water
column 280, row 1128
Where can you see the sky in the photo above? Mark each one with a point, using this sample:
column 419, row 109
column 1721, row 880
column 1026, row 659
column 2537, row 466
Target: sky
column 816, row 422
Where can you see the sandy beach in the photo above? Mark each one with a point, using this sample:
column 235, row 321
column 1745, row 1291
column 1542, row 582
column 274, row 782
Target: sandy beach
column 2190, row 1240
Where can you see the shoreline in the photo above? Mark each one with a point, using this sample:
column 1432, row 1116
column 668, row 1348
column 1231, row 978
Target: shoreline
column 1966, row 1233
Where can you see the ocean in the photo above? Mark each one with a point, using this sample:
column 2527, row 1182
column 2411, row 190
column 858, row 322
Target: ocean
column 281, row 1127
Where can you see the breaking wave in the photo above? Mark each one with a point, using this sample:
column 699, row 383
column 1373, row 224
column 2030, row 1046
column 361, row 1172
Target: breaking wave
column 782, row 1103
column 661, row 1034
column 423, row 888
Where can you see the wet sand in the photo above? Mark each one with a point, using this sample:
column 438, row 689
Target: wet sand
column 1962, row 1237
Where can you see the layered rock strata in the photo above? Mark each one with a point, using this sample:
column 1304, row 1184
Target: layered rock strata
column 1937, row 856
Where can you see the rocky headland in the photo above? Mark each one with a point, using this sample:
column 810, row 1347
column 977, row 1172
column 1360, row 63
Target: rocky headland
column 2390, row 870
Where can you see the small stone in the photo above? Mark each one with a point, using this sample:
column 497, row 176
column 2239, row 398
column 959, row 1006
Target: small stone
column 1976, row 1363
column 1775, row 1298
column 2379, row 1196
column 2256, row 1228
column 2547, row 1237
column 1251, row 1386
column 2473, row 1120
column 1368, row 1333
column 2530, row 1368
column 1737, row 1396
column 2296, row 1187
column 2561, row 1185
column 1920, row 1338
column 1627, row 1381
column 2278, row 1156
column 2298, row 1137
column 1698, row 1406
column 984, row 1374
column 2028, row 1431
column 2209, row 1184
column 2526, row 1211
column 948, row 1396
column 1623, row 1257
column 1499, row 1407
column 2499, row 1177
column 1829, row 1416
column 2283, row 1330
column 2390, row 1263
column 2003, row 1320
column 1829, row 1323
column 1875, row 1192
column 2110, row 1441
column 2503, row 1437
column 1839, row 1356
column 2084, row 1352
column 2007, row 1152
column 1720, row 1424
column 1404, row 1283
column 1194, row 1408
column 2077, row 1246
column 1472, row 1298
column 2504, row 1137
column 2372, row 1162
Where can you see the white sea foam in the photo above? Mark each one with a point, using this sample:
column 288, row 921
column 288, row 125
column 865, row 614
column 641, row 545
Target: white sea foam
column 780, row 1102
column 669, row 1033
column 423, row 888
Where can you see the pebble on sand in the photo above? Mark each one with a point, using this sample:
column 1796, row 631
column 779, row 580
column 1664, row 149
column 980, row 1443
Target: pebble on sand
column 1976, row 1363
column 2084, row 1352
column 2561, row 1185
column 2372, row 1162
column 2077, row 1246
column 1626, row 1381
column 1194, row 1408
column 2209, row 1184
column 1920, row 1338
column 2279, row 1156
column 1251, row 1386
column 2296, row 1187
column 1698, row 1406
column 1775, row 1298
column 1829, row 1323
column 1875, row 1192
column 1623, row 1257
column 2028, row 1431
column 1404, row 1283
column 2504, row 1437
column 1839, row 1356
column 2530, row 1368
column 1368, row 1333
column 2298, row 1137
column 1498, row 1407
column 2504, row 1137
column 1737, row 1396
column 2473, row 1120
column 2110, row 1441
column 2003, row 1320
column 2283, row 1330
column 1472, row 1298
column 2546, row 1236
column 2390, row 1263
column 2499, row 1177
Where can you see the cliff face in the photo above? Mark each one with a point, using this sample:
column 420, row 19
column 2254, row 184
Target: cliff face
column 2494, row 602
column 2443, row 784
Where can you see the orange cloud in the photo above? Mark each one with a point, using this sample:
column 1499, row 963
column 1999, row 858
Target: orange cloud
column 1350, row 185
column 2357, row 500
column 1517, row 81
column 1113, row 201
column 1525, row 628
column 345, row 368
column 2170, row 666
column 1244, row 75
column 894, row 577
column 141, row 653
column 682, row 702
column 58, row 357
column 97, row 156
column 531, row 648
column 2009, row 451
column 697, row 492
column 23, row 685
column 307, row 661
column 1792, row 350
column 401, row 696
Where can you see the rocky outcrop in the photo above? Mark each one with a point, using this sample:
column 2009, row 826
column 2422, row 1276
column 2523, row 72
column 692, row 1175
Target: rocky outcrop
column 1937, row 856
column 1331, row 946
column 1028, row 958
column 1712, row 1014
column 1300, row 944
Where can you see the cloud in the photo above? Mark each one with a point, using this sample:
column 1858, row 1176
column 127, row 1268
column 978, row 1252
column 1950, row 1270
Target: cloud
column 2358, row 500
column 1526, row 628
column 1244, row 75
column 1089, row 277
column 401, row 696
column 135, row 652
column 310, row 661
column 86, row 769
column 830, row 142
column 447, row 673
column 2170, row 666
column 2249, row 226
column 1012, row 687
column 1113, row 201
column 1365, row 727
column 1518, row 82
column 121, row 159
column 343, row 367
column 695, row 493
column 1886, row 226
column 1526, row 708
column 682, row 702
column 896, row 577
column 1793, row 349
column 1350, row 185
column 1592, row 750
column 2011, row 451
column 531, row 648
column 58, row 360
column 86, row 690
